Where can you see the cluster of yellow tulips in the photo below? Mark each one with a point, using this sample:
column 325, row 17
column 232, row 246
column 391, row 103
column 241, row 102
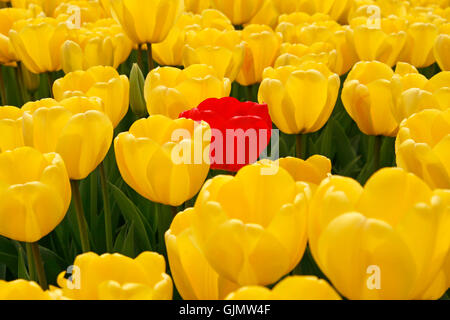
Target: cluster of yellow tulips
column 111, row 119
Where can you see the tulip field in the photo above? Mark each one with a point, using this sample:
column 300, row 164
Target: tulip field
column 224, row 150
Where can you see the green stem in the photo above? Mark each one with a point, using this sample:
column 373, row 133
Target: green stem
column 151, row 65
column 2, row 88
column 106, row 208
column 50, row 84
column 30, row 259
column 300, row 146
column 139, row 58
column 82, row 226
column 377, row 153
column 249, row 93
column 39, row 265
column 174, row 211
column 93, row 181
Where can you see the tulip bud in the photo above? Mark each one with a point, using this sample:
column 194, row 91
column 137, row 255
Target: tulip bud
column 137, row 100
column 11, row 136
column 30, row 80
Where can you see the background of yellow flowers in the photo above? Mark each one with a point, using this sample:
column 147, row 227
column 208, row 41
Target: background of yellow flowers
column 354, row 86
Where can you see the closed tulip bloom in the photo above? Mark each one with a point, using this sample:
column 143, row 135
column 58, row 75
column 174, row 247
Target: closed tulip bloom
column 37, row 43
column 383, row 44
column 267, row 15
column 102, row 82
column 48, row 6
column 7, row 18
column 290, row 288
column 34, row 195
column 312, row 171
column 170, row 91
column 76, row 128
column 261, row 49
column 101, row 43
column 117, row 277
column 442, row 48
column 254, row 221
column 422, row 147
column 300, row 99
column 85, row 11
column 223, row 50
column 419, row 45
column 22, row 290
column 239, row 11
column 147, row 21
column 368, row 99
column 170, row 51
column 196, row 6
column 241, row 131
column 194, row 278
column 11, row 136
column 170, row 153
column 412, row 93
column 385, row 241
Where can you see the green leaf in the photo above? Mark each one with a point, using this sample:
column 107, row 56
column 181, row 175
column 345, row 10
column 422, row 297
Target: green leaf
column 22, row 272
column 128, row 247
column 133, row 215
column 2, row 271
column 345, row 153
column 8, row 255
column 53, row 264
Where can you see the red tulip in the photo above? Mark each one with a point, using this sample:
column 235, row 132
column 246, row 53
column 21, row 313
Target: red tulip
column 241, row 131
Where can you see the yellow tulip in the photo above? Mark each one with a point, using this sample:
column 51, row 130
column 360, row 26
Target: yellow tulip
column 267, row 15
column 22, row 290
column 37, row 43
column 300, row 99
column 75, row 128
column 256, row 222
column 102, row 82
column 261, row 49
column 48, row 6
column 419, row 45
column 80, row 11
column 196, row 6
column 239, row 11
column 335, row 8
column 412, row 92
column 100, row 43
column 194, row 278
column 7, row 18
column 290, row 288
column 312, row 171
column 170, row 91
column 116, row 277
column 300, row 27
column 147, row 21
column 10, row 128
column 383, row 43
column 34, row 194
column 422, row 147
column 223, row 50
column 387, row 240
column 442, row 48
column 158, row 160
column 170, row 51
column 367, row 97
